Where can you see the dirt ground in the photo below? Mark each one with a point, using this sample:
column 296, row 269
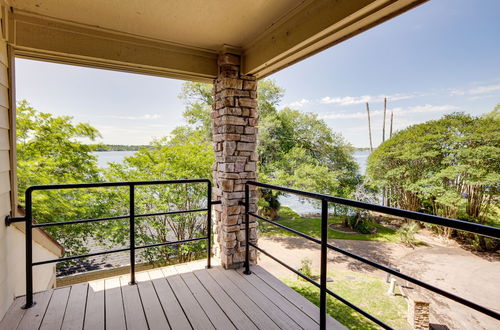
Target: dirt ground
column 441, row 263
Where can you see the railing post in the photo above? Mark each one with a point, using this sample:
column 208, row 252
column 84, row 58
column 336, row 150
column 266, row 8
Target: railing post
column 209, row 224
column 247, row 231
column 323, row 269
column 132, row 233
column 29, row 251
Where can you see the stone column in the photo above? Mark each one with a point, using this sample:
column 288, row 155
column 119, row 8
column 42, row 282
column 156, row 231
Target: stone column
column 234, row 125
column 418, row 314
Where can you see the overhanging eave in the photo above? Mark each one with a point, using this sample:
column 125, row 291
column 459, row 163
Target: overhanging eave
column 46, row 39
column 317, row 26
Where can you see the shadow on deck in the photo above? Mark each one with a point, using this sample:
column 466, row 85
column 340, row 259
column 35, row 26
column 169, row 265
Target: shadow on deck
column 185, row 296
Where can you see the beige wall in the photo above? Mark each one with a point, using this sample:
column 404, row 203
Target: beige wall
column 44, row 276
column 12, row 242
column 7, row 288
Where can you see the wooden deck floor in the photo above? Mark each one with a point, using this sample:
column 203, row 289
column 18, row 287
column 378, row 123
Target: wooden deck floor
column 184, row 296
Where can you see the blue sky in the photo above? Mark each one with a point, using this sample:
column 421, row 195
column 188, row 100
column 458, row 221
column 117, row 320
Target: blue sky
column 443, row 56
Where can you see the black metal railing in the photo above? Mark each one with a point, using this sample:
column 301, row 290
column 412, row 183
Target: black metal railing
column 325, row 246
column 28, row 219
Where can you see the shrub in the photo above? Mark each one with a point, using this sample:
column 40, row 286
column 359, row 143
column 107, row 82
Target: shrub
column 305, row 268
column 361, row 223
column 407, row 233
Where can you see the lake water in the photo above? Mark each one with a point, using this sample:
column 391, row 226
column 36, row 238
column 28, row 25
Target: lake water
column 296, row 204
column 105, row 157
column 361, row 158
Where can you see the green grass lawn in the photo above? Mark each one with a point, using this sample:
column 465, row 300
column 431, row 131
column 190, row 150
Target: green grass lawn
column 368, row 292
column 311, row 227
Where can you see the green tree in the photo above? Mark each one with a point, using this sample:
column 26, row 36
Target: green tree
column 448, row 167
column 167, row 159
column 198, row 100
column 51, row 150
column 269, row 95
column 299, row 150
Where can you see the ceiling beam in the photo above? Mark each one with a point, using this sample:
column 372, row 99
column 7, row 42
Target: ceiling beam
column 47, row 39
column 317, row 26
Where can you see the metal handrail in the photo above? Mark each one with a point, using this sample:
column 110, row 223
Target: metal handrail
column 28, row 219
column 489, row 231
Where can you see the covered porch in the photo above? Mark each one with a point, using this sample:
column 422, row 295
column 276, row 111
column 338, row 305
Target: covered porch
column 230, row 44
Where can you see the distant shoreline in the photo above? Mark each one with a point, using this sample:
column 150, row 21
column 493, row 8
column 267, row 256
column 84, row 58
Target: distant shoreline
column 124, row 147
column 361, row 149
column 120, row 147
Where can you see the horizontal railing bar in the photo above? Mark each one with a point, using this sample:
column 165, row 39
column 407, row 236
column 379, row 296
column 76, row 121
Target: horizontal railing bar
column 78, row 256
column 171, row 243
column 115, row 251
column 112, row 184
column 169, row 212
column 389, row 270
column 10, row 220
column 430, row 287
column 471, row 227
column 62, row 223
column 315, row 240
column 310, row 280
column 408, row 278
column 357, row 309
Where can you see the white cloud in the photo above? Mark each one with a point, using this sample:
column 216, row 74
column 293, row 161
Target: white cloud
column 479, row 90
column 343, row 115
column 171, row 126
column 424, row 109
column 399, row 123
column 352, row 100
column 299, row 104
column 484, row 89
column 427, row 108
column 456, row 91
column 146, row 116
column 481, row 97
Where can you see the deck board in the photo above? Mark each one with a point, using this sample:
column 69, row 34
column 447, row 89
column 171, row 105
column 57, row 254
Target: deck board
column 32, row 318
column 186, row 296
column 55, row 311
column 152, row 308
column 94, row 311
column 279, row 317
column 191, row 307
column 173, row 310
column 75, row 309
column 303, row 320
column 209, row 305
column 132, row 304
column 115, row 315
column 14, row 315
column 294, row 297
column 260, row 319
column 239, row 318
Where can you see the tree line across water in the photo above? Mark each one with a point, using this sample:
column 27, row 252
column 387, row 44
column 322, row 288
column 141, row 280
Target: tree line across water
column 119, row 147
column 446, row 167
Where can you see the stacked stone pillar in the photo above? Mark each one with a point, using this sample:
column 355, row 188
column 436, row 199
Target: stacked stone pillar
column 418, row 314
column 234, row 124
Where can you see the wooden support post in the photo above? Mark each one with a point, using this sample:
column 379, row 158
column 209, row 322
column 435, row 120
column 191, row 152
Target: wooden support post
column 369, row 126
